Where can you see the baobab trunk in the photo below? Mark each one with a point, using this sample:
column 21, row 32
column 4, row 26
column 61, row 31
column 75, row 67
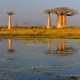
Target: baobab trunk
column 49, row 21
column 9, row 22
column 64, row 20
column 59, row 21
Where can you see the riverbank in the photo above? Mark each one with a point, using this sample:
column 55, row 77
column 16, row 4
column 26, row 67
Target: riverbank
column 72, row 33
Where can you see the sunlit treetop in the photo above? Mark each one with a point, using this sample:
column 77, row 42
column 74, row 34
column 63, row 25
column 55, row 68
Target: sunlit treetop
column 47, row 11
column 62, row 11
column 10, row 13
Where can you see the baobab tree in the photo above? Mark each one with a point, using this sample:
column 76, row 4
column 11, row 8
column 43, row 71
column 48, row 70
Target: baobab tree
column 9, row 19
column 49, row 18
column 61, row 13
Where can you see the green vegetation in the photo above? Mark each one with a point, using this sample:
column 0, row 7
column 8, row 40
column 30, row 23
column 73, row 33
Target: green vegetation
column 37, row 32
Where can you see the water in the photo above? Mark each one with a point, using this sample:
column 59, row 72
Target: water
column 39, row 59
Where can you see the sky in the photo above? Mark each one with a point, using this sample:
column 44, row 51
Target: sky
column 31, row 11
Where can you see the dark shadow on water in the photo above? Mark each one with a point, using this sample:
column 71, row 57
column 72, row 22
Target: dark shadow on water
column 62, row 77
column 12, row 59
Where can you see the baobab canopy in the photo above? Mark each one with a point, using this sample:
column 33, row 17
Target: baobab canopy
column 61, row 13
column 10, row 13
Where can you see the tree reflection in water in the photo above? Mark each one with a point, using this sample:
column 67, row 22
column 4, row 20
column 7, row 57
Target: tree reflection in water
column 10, row 49
column 61, row 49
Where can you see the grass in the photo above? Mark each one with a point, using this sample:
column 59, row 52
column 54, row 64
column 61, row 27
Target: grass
column 41, row 32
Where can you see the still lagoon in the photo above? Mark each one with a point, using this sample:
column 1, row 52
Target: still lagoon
column 39, row 59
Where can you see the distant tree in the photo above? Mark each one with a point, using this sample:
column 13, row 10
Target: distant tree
column 25, row 23
column 16, row 24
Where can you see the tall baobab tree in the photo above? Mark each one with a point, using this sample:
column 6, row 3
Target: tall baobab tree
column 61, row 13
column 9, row 19
column 49, row 18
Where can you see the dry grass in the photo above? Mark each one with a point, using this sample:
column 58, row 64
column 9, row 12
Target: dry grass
column 41, row 32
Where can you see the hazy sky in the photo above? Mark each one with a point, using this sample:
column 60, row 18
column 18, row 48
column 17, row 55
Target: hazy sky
column 31, row 11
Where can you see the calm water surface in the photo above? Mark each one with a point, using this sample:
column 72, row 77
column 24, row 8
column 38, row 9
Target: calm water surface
column 39, row 59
